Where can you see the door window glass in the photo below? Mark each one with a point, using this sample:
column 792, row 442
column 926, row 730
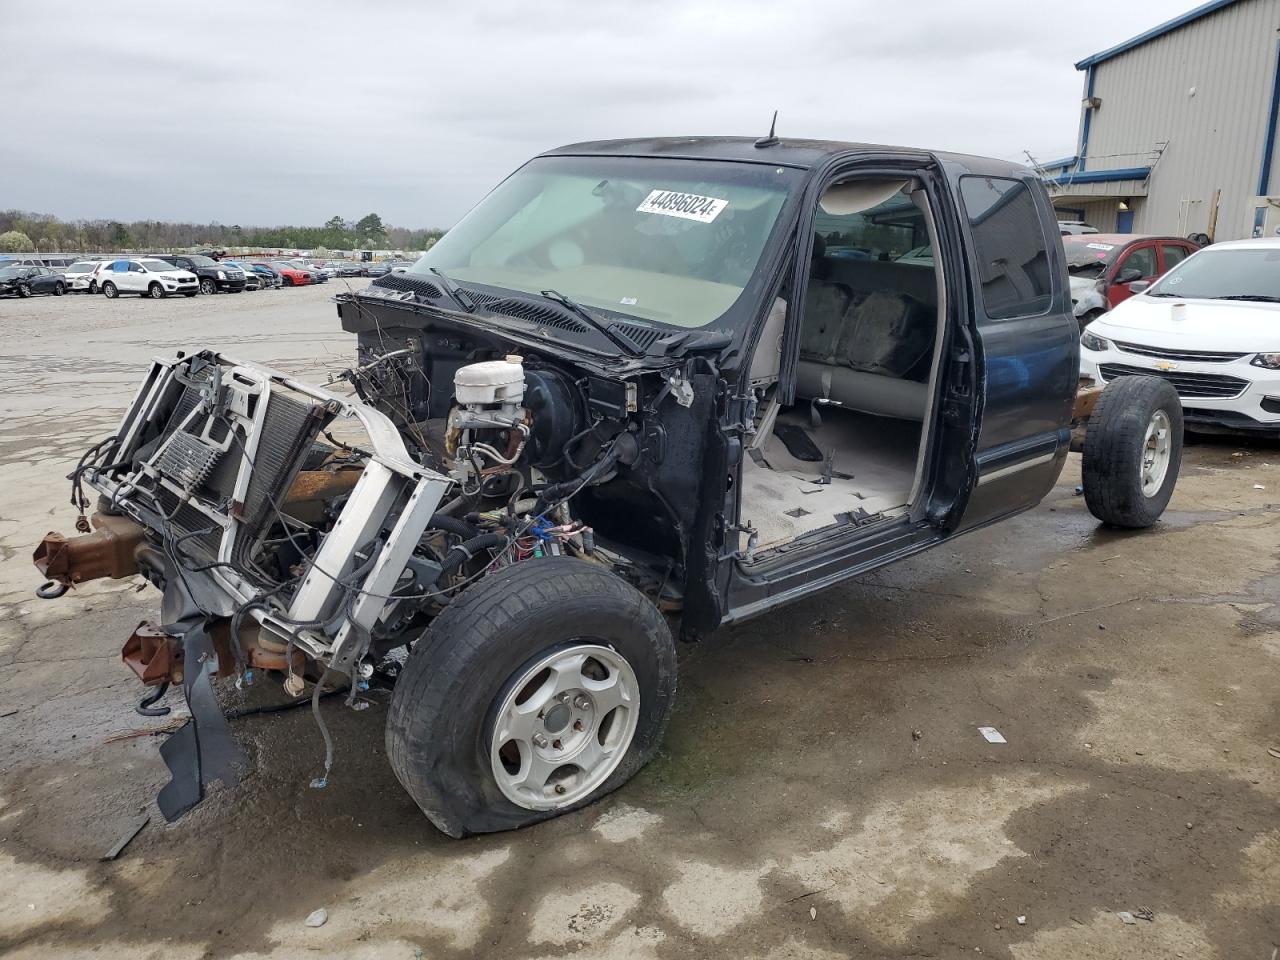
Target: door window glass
column 1143, row 259
column 1013, row 256
column 1173, row 255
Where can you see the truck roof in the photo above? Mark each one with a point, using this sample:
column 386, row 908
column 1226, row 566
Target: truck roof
column 786, row 151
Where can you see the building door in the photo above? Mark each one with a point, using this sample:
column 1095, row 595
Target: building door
column 1124, row 221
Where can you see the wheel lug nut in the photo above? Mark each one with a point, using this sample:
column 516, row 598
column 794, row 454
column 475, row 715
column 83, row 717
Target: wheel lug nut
column 557, row 744
column 582, row 702
column 539, row 740
column 559, row 788
column 577, row 725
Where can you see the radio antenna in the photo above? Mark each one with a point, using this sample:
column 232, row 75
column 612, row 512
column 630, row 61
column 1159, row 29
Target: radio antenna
column 771, row 140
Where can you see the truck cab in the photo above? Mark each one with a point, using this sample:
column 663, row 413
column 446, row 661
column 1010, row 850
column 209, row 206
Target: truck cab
column 645, row 388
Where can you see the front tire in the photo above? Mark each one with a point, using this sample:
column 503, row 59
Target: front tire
column 1132, row 451
column 24, row 290
column 208, row 287
column 109, row 290
column 155, row 291
column 538, row 690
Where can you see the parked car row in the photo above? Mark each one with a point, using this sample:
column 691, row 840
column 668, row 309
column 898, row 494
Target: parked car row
column 159, row 275
column 59, row 275
column 1210, row 326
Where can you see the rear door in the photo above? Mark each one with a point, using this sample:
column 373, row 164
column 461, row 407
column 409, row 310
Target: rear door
column 1139, row 262
column 1027, row 348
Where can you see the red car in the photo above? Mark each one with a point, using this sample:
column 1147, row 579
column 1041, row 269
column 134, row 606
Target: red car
column 291, row 275
column 1102, row 265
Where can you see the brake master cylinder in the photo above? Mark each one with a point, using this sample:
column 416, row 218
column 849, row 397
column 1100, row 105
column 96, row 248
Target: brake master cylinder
column 489, row 423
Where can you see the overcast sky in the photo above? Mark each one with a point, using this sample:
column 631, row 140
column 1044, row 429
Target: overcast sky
column 273, row 113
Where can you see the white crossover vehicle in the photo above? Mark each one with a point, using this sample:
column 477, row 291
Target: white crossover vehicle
column 146, row 277
column 1211, row 327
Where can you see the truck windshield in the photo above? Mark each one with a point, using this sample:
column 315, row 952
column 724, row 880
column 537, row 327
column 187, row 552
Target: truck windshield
column 1225, row 273
column 664, row 240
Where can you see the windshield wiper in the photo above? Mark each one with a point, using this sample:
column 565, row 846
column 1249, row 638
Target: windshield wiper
column 459, row 296
column 617, row 337
column 1257, row 297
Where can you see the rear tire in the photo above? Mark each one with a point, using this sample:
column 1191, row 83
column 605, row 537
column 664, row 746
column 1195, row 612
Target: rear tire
column 59, row 288
column 1132, row 451
column 447, row 737
column 109, row 290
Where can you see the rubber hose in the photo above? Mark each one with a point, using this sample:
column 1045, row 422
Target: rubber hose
column 465, row 551
column 455, row 525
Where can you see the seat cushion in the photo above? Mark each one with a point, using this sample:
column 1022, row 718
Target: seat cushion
column 859, row 390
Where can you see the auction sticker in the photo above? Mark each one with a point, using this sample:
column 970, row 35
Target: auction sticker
column 688, row 206
column 1101, row 246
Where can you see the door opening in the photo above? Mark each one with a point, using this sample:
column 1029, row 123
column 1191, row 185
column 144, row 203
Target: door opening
column 848, row 452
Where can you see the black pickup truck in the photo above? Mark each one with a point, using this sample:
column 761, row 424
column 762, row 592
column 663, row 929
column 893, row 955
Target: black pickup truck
column 215, row 277
column 645, row 388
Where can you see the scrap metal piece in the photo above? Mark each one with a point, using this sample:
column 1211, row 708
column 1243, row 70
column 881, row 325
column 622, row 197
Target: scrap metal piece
column 132, row 830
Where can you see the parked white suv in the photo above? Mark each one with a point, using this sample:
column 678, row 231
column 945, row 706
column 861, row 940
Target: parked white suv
column 146, row 277
column 1211, row 327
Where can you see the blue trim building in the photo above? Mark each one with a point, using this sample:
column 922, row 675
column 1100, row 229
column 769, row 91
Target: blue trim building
column 1179, row 127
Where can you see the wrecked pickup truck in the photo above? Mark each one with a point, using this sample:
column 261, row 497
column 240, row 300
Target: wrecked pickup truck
column 643, row 386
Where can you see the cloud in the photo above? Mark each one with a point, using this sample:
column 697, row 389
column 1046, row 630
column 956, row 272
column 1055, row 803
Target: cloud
column 263, row 114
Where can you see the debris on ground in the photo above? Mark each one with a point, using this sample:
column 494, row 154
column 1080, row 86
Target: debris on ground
column 917, row 734
column 992, row 734
column 132, row 830
column 317, row 918
column 1258, row 486
column 171, row 726
column 813, row 913
column 1142, row 913
column 1274, row 751
column 1022, row 921
column 1125, row 916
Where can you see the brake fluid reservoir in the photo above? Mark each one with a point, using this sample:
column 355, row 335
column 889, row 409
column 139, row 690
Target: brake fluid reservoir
column 493, row 383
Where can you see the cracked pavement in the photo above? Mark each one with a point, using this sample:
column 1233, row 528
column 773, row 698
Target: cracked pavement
column 823, row 792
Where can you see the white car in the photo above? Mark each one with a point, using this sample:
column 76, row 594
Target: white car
column 1211, row 327
column 146, row 277
column 79, row 275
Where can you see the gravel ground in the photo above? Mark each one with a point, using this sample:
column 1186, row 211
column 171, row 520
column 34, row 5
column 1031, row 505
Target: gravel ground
column 824, row 791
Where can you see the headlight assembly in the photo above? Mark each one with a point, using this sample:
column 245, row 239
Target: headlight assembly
column 1093, row 342
column 1268, row 361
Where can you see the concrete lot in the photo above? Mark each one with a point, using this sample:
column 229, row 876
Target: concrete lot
column 793, row 813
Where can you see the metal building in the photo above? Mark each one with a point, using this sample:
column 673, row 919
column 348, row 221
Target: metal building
column 1178, row 128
